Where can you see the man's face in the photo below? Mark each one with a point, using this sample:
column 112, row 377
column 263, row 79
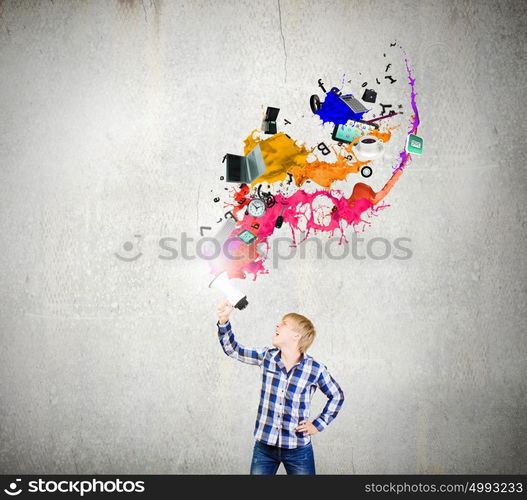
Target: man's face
column 284, row 335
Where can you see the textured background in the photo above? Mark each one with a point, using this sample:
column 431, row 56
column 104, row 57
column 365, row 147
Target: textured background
column 114, row 120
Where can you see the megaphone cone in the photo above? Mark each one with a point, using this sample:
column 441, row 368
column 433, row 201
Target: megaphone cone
column 234, row 296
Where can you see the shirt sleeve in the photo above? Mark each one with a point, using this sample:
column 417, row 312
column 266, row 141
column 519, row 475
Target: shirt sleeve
column 329, row 386
column 231, row 347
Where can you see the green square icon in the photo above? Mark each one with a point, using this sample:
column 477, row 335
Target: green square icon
column 414, row 144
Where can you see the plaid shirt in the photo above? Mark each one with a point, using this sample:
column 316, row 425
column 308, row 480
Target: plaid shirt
column 285, row 397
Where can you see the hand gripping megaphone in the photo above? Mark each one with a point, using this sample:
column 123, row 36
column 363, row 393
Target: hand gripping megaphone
column 234, row 296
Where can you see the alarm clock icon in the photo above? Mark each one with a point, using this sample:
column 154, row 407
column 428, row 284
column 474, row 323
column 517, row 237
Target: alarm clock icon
column 256, row 207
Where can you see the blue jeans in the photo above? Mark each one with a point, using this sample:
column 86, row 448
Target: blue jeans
column 267, row 459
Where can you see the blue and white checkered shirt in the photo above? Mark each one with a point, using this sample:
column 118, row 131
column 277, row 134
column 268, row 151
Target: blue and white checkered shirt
column 285, row 397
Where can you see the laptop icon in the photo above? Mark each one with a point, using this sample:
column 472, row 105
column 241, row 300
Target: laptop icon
column 244, row 169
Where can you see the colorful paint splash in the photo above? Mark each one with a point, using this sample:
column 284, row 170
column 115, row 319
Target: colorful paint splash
column 282, row 156
column 326, row 210
column 335, row 111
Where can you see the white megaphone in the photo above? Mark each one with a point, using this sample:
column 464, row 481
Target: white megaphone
column 234, row 296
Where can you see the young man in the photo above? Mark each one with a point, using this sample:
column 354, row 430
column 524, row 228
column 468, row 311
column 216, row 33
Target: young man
column 289, row 379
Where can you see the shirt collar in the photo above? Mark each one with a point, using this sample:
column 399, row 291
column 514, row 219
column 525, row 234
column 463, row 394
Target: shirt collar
column 280, row 363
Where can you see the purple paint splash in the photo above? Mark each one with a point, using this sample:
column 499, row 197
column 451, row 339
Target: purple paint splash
column 404, row 155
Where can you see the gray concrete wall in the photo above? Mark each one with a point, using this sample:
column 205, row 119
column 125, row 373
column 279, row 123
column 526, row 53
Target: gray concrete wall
column 114, row 118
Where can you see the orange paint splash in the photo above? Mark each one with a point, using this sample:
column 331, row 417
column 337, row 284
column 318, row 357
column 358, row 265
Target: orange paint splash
column 282, row 156
column 324, row 173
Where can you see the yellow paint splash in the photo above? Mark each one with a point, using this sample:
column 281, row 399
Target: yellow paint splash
column 282, row 155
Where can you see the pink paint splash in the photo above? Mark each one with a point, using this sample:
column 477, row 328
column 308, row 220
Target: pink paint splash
column 246, row 259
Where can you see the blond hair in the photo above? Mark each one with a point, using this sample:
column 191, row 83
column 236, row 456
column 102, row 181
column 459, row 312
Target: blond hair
column 306, row 329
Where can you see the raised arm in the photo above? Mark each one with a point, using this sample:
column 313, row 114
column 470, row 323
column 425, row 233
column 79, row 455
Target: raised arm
column 229, row 344
column 335, row 395
column 231, row 347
